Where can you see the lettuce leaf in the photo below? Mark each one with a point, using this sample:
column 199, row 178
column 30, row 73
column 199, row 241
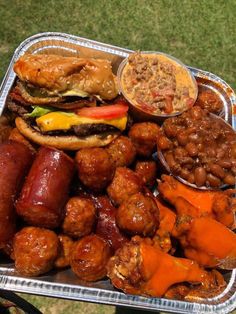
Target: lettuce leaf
column 40, row 111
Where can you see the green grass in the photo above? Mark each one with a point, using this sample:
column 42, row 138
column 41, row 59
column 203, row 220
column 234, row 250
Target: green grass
column 59, row 306
column 200, row 33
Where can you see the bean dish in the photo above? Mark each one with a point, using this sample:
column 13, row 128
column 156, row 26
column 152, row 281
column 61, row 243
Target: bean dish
column 200, row 148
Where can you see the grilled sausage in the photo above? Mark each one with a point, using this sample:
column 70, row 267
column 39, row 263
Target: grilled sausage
column 46, row 188
column 15, row 160
column 106, row 224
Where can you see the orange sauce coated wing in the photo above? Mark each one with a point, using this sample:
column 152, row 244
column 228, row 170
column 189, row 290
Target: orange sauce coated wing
column 162, row 270
column 211, row 243
column 167, row 217
column 171, row 189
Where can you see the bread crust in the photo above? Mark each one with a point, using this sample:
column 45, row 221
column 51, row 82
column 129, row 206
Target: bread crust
column 64, row 142
column 58, row 74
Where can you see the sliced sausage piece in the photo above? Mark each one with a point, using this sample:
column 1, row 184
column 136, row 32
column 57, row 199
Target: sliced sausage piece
column 46, row 188
column 15, row 161
column 106, row 224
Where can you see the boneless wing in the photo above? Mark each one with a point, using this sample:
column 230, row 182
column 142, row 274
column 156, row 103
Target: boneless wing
column 167, row 223
column 206, row 241
column 141, row 267
column 216, row 204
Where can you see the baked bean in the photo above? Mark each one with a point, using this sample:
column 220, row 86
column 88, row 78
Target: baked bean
column 217, row 171
column 194, row 137
column 229, row 179
column 233, row 169
column 224, row 147
column 184, row 173
column 233, row 150
column 170, row 129
column 191, row 178
column 191, row 129
column 186, row 161
column 164, row 143
column 192, row 149
column 225, row 163
column 200, row 147
column 211, row 151
column 180, row 152
column 220, row 153
column 182, row 138
column 170, row 160
column 200, row 176
column 213, row 180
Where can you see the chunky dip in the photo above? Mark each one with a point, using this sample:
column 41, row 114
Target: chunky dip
column 158, row 84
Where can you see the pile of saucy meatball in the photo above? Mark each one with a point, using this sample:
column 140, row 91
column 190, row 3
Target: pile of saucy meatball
column 76, row 210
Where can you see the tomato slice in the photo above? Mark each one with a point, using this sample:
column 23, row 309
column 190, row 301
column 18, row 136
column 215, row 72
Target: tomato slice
column 104, row 112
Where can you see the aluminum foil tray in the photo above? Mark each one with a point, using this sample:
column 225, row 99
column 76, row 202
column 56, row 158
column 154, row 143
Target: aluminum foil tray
column 64, row 284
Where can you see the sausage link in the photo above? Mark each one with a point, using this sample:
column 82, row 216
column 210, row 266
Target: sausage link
column 106, row 224
column 45, row 191
column 15, row 161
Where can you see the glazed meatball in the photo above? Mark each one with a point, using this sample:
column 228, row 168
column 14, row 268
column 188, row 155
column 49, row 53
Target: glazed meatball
column 143, row 136
column 89, row 258
column 147, row 171
column 122, row 151
column 35, row 250
column 138, row 215
column 125, row 183
column 65, row 246
column 95, row 168
column 209, row 100
column 79, row 218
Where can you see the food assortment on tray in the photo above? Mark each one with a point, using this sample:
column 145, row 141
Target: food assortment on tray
column 83, row 188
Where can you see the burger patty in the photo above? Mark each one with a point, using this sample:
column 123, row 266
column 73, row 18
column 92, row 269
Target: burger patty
column 82, row 130
column 93, row 128
column 17, row 108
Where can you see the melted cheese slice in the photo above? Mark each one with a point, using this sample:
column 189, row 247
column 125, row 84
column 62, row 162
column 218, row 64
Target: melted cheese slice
column 64, row 121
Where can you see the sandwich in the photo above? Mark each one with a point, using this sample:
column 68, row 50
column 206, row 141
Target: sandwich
column 67, row 102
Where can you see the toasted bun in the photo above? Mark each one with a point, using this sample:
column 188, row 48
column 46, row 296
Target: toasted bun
column 37, row 100
column 59, row 74
column 65, row 142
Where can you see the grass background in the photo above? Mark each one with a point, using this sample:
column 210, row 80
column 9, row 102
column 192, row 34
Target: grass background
column 200, row 33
